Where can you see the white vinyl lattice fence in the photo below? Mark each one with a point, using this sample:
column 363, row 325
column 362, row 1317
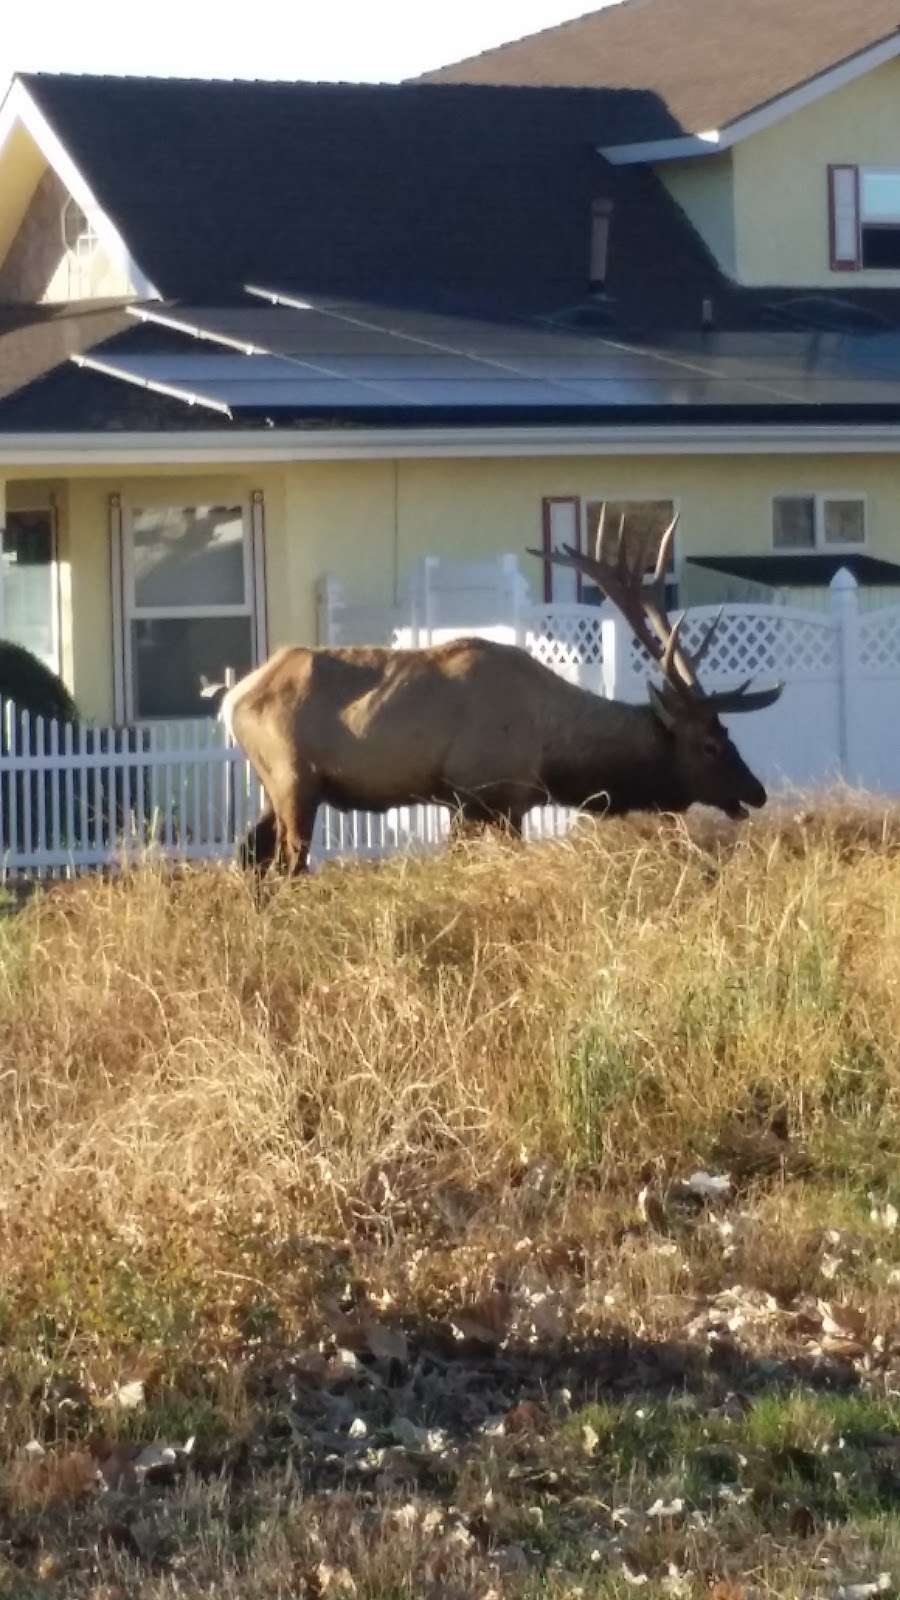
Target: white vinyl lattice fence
column 75, row 797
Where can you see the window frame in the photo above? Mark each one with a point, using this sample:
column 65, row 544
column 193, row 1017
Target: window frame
column 126, row 611
column 820, row 545
column 581, row 504
column 50, row 507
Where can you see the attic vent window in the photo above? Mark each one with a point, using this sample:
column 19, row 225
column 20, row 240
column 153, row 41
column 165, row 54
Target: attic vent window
column 601, row 217
column 80, row 243
column 78, row 234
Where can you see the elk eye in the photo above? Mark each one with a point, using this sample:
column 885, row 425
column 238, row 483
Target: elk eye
column 712, row 749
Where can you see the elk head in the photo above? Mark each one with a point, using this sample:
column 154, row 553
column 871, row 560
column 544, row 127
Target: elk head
column 704, row 760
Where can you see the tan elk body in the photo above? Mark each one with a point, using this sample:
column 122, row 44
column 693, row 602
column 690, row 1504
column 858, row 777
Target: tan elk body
column 486, row 729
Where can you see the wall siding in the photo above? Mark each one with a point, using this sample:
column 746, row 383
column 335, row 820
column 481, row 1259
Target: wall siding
column 705, row 191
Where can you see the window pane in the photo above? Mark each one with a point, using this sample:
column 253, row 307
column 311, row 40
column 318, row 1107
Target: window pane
column 28, row 583
column 170, row 655
column 644, row 519
column 189, row 556
column 881, row 196
column 881, row 247
column 845, row 522
column 794, row 522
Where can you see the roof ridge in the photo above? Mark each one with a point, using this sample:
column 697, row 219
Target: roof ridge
column 405, row 85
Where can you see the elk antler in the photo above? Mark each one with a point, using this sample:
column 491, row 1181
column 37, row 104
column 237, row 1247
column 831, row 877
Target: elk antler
column 622, row 577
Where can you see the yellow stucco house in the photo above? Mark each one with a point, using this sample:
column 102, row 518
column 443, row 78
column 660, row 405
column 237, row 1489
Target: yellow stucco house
column 254, row 334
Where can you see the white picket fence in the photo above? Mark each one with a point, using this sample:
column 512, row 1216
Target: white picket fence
column 75, row 797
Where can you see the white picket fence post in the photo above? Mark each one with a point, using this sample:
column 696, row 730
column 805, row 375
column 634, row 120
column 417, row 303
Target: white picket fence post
column 421, row 603
column 844, row 597
column 619, row 680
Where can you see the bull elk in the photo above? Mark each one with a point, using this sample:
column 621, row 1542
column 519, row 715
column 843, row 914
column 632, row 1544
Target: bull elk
column 486, row 729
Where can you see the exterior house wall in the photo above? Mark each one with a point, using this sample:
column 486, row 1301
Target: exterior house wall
column 704, row 189
column 781, row 182
column 369, row 523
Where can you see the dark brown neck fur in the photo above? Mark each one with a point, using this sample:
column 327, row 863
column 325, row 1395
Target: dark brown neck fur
column 614, row 758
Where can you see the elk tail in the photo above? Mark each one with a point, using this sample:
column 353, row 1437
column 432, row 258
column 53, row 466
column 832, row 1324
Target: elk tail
column 226, row 709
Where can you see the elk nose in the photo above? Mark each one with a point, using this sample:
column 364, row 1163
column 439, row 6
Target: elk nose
column 757, row 796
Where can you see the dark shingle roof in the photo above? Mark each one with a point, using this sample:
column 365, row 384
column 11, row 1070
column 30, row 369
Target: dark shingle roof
column 707, row 62
column 377, row 191
column 454, row 198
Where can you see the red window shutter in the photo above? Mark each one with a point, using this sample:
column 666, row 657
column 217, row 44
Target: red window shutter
column 843, row 218
column 561, row 525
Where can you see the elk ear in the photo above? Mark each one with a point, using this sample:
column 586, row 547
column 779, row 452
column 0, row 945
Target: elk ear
column 667, row 715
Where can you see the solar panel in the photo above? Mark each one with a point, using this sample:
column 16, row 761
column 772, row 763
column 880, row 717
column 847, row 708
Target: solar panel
column 344, row 356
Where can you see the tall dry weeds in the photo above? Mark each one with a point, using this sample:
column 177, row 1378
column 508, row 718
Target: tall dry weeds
column 190, row 1076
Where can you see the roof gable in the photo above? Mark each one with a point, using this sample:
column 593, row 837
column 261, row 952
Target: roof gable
column 23, row 125
column 708, row 62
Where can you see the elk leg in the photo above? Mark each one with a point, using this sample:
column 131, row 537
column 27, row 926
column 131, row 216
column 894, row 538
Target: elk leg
column 295, row 829
column 259, row 845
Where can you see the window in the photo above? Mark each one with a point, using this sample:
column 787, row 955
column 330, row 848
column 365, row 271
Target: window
column 77, row 231
column 189, row 576
column 818, row 522
column 568, row 521
column 864, row 218
column 29, row 589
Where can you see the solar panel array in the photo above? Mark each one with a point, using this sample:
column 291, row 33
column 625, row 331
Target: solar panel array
column 341, row 357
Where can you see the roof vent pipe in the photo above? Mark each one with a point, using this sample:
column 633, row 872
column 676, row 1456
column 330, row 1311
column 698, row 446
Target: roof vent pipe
column 601, row 214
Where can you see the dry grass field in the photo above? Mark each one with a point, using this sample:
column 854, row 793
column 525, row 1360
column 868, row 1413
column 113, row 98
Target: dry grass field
column 515, row 1222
